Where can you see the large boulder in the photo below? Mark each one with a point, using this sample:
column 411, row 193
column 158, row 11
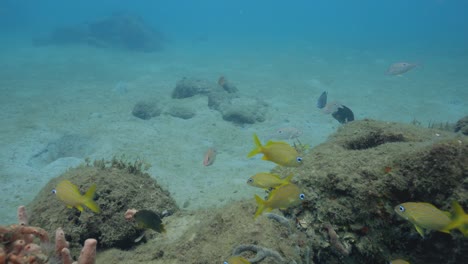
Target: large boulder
column 120, row 186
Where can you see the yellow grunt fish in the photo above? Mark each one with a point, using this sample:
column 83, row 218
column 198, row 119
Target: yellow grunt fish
column 278, row 152
column 267, row 180
column 69, row 193
column 426, row 217
column 282, row 197
column 237, row 260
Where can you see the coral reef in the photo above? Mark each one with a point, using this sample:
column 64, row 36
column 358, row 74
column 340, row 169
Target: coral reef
column 120, row 185
column 19, row 245
column 354, row 180
column 146, row 110
column 209, row 236
column 352, row 183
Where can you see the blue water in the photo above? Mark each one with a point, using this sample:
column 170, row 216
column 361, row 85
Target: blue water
column 285, row 52
column 381, row 25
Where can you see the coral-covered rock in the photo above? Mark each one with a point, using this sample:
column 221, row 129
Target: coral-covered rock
column 462, row 126
column 210, row 236
column 356, row 178
column 120, row 185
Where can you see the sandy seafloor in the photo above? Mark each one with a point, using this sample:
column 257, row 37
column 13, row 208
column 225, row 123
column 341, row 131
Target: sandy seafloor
column 49, row 92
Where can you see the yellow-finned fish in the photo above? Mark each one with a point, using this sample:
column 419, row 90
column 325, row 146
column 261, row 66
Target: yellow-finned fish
column 278, row 152
column 282, row 197
column 426, row 217
column 237, row 260
column 69, row 193
column 267, row 180
column 398, row 261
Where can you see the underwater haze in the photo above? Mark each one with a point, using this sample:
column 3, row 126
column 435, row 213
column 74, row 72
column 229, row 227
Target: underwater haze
column 74, row 75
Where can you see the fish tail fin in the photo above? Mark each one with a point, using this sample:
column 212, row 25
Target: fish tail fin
column 260, row 204
column 88, row 199
column 459, row 219
column 288, row 178
column 258, row 147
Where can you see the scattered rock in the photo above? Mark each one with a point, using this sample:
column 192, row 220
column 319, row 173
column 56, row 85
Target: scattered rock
column 224, row 98
column 181, row 112
column 244, row 111
column 188, row 87
column 226, row 85
column 146, row 110
column 218, row 97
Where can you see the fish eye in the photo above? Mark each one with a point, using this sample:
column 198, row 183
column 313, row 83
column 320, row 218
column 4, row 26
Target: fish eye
column 280, row 131
column 302, row 196
column 402, row 208
column 299, row 159
column 54, row 191
column 249, row 180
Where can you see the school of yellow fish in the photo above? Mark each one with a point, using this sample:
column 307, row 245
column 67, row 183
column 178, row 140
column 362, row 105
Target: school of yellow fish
column 282, row 193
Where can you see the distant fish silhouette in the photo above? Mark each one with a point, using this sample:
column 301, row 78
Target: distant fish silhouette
column 400, row 68
column 322, row 100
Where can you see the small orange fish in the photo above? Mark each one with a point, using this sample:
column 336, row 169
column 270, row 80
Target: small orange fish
column 210, row 157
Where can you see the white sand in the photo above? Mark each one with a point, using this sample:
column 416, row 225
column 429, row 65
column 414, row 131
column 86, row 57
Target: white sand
column 51, row 91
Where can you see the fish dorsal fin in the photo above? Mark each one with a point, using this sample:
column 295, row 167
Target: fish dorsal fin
column 271, row 142
column 73, row 186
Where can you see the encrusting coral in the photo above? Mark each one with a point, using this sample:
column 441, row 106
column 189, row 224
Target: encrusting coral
column 19, row 245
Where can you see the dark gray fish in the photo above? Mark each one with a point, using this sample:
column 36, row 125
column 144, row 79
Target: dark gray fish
column 400, row 68
column 343, row 115
column 322, row 100
column 149, row 219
